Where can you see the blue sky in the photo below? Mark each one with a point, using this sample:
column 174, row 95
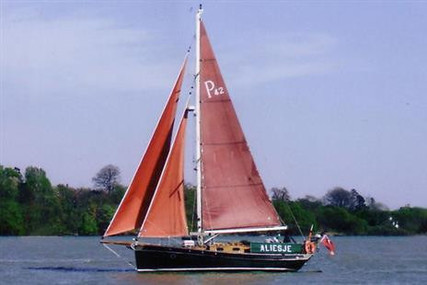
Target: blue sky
column 329, row 93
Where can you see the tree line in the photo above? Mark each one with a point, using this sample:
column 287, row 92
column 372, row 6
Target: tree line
column 347, row 212
column 31, row 205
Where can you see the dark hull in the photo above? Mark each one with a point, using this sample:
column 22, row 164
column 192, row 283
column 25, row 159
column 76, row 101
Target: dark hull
column 162, row 258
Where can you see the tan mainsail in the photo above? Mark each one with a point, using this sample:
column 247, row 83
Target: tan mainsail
column 134, row 205
column 233, row 194
column 166, row 215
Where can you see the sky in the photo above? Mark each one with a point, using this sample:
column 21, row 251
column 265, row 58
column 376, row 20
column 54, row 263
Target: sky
column 329, row 93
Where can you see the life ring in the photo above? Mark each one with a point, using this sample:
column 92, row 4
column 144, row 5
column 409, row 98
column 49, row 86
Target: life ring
column 310, row 247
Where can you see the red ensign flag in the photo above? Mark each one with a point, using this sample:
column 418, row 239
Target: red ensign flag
column 328, row 244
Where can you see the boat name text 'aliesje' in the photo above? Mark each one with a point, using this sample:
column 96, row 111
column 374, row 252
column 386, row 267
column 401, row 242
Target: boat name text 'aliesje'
column 275, row 248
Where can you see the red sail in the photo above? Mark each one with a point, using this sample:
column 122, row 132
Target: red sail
column 135, row 203
column 233, row 194
column 166, row 215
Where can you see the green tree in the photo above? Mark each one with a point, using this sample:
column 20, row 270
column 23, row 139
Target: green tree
column 190, row 203
column 9, row 183
column 41, row 202
column 338, row 197
column 107, row 178
column 117, row 194
column 69, row 213
column 339, row 219
column 104, row 214
column 357, row 201
column 292, row 213
column 310, row 203
column 412, row 220
column 280, row 194
column 88, row 225
column 11, row 218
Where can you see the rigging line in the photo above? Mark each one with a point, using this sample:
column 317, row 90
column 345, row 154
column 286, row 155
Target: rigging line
column 194, row 210
column 295, row 220
column 119, row 256
column 190, row 46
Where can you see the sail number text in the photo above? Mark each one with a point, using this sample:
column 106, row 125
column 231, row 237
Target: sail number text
column 211, row 89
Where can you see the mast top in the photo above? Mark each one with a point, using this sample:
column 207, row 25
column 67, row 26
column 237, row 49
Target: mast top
column 200, row 10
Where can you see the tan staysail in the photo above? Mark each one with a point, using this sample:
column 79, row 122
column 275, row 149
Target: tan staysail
column 134, row 205
column 166, row 215
column 233, row 194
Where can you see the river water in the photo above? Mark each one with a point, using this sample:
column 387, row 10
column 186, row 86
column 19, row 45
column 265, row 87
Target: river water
column 82, row 260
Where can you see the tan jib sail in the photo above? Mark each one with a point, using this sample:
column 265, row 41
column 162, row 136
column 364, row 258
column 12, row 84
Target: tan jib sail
column 135, row 203
column 233, row 194
column 166, row 214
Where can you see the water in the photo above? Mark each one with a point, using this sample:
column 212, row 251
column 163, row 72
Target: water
column 82, row 260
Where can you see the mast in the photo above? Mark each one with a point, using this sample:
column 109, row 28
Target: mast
column 198, row 146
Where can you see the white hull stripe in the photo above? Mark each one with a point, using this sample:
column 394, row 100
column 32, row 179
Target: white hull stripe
column 219, row 269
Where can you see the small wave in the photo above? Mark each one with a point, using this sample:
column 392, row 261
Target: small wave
column 81, row 260
column 80, row 269
column 310, row 271
column 411, row 271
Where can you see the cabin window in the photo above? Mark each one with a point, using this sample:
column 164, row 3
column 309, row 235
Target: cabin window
column 236, row 248
column 219, row 249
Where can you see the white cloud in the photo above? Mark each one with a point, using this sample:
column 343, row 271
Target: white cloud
column 279, row 57
column 91, row 55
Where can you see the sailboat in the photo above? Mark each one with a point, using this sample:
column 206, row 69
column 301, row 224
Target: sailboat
column 231, row 197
